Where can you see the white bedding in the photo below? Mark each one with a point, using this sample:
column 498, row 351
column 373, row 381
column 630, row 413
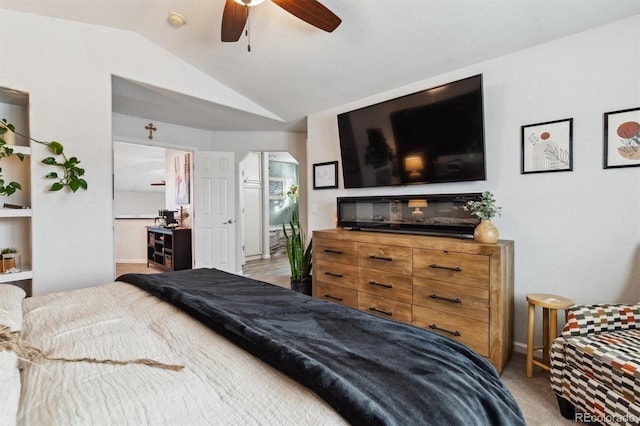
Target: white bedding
column 11, row 316
column 221, row 383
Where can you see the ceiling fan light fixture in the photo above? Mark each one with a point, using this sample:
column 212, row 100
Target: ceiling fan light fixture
column 249, row 2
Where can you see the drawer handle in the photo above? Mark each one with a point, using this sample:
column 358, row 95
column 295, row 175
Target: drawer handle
column 435, row 327
column 380, row 284
column 387, row 259
column 448, row 299
column 333, row 275
column 332, row 251
column 380, row 311
column 328, row 296
column 449, row 268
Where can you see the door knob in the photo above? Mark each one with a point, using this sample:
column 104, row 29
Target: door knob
column 230, row 221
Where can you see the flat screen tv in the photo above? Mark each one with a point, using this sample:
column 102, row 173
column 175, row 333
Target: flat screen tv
column 432, row 136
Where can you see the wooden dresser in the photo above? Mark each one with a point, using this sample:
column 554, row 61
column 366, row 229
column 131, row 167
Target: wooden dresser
column 456, row 287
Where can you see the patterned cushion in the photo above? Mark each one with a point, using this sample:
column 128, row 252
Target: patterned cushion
column 588, row 319
column 599, row 374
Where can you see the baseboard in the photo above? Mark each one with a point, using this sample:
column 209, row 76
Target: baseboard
column 520, row 348
column 131, row 260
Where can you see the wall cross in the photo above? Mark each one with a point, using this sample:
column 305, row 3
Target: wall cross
column 150, row 127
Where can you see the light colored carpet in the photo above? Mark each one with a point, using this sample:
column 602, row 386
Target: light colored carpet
column 534, row 395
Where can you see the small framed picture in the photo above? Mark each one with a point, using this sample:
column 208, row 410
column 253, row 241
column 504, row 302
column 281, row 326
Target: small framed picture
column 622, row 138
column 547, row 147
column 325, row 175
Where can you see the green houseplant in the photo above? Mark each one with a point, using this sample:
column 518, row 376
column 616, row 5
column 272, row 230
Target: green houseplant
column 298, row 251
column 69, row 177
column 485, row 209
column 8, row 258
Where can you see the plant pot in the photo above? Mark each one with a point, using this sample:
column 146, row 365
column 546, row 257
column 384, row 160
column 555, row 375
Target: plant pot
column 486, row 232
column 11, row 262
column 302, row 286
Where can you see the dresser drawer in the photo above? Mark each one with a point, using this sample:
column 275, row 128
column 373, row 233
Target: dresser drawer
column 336, row 273
column 385, row 258
column 473, row 333
column 469, row 302
column 336, row 294
column 461, row 268
column 336, row 250
column 384, row 307
column 386, row 284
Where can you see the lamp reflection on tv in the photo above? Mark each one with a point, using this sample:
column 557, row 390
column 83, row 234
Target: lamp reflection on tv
column 414, row 166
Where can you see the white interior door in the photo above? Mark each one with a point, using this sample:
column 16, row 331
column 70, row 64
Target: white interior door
column 214, row 219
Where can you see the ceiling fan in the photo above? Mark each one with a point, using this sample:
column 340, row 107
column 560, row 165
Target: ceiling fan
column 236, row 13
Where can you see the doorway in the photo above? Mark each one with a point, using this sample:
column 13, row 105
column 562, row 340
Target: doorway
column 144, row 182
column 266, row 177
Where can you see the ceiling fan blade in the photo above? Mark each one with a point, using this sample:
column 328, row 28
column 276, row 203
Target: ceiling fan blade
column 312, row 12
column 234, row 18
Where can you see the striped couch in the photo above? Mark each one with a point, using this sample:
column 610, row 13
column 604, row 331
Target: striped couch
column 595, row 364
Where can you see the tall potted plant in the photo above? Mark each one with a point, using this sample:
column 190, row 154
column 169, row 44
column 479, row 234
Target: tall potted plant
column 298, row 251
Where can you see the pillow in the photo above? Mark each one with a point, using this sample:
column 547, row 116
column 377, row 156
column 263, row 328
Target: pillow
column 11, row 298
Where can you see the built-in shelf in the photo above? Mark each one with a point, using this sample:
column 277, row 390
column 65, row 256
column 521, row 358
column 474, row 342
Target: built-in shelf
column 5, row 212
column 25, row 274
column 26, row 150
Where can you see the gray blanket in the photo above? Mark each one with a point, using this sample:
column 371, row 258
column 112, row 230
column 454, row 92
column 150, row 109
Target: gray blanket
column 369, row 369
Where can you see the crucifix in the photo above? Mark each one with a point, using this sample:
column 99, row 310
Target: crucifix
column 151, row 129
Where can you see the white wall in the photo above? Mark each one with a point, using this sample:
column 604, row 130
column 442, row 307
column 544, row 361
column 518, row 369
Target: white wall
column 66, row 68
column 145, row 203
column 576, row 233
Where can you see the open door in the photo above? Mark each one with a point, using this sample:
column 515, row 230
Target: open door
column 214, row 219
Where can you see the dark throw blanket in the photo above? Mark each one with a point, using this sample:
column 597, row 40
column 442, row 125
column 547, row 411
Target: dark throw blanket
column 369, row 369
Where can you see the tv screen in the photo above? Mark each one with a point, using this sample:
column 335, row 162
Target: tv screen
column 436, row 135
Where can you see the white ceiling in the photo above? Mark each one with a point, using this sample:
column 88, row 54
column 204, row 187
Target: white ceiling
column 295, row 69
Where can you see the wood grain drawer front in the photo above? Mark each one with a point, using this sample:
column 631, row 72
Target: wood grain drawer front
column 336, row 294
column 385, row 258
column 336, row 273
column 472, row 333
column 386, row 284
column 461, row 268
column 384, row 307
column 336, row 250
column 468, row 302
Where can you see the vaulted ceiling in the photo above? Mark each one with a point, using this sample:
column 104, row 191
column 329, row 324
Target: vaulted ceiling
column 294, row 69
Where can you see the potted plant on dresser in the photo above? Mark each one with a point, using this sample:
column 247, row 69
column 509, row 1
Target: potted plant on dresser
column 485, row 209
column 298, row 251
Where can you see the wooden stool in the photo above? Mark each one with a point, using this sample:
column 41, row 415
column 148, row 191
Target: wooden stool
column 550, row 304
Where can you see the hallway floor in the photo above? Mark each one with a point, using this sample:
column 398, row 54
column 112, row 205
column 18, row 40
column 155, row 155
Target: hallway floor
column 274, row 270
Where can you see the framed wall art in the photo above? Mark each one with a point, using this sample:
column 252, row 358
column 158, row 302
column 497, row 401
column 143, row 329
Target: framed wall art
column 622, row 138
column 182, row 169
column 325, row 175
column 547, row 147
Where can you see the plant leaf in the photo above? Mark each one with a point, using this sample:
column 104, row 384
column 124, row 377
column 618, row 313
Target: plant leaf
column 57, row 186
column 56, row 147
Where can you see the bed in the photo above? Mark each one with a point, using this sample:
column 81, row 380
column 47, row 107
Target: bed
column 253, row 353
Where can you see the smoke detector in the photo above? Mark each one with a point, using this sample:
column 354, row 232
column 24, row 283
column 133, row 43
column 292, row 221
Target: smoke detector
column 176, row 19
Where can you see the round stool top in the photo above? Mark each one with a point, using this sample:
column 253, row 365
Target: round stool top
column 549, row 300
